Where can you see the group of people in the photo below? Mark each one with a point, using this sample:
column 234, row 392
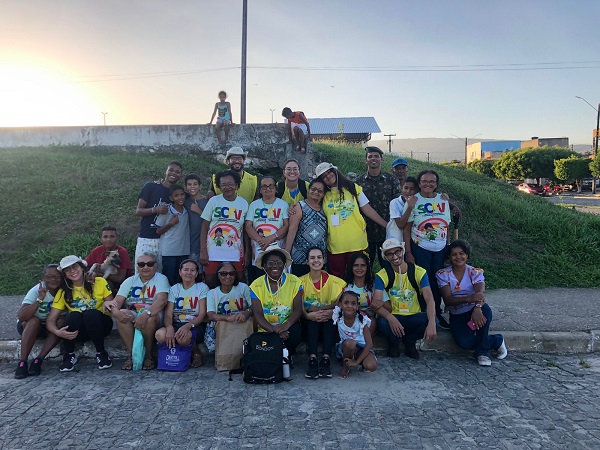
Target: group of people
column 296, row 257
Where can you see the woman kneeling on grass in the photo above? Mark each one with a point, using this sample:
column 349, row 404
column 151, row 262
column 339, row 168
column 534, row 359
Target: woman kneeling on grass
column 85, row 320
column 185, row 312
column 355, row 346
column 462, row 287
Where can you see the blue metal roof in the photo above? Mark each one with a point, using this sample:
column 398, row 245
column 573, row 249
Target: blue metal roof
column 351, row 125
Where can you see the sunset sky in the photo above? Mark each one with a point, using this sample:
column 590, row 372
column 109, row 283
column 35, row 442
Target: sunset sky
column 433, row 68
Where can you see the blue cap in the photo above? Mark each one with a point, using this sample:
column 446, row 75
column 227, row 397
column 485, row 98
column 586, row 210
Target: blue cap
column 399, row 162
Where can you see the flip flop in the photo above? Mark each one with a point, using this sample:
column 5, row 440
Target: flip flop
column 127, row 365
column 148, row 364
column 196, row 360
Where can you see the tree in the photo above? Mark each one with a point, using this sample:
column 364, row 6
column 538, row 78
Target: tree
column 482, row 167
column 595, row 167
column 530, row 163
column 572, row 168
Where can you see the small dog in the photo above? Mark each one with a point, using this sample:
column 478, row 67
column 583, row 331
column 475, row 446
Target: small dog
column 110, row 265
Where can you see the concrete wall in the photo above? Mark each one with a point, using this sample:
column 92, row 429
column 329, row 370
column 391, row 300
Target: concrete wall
column 266, row 144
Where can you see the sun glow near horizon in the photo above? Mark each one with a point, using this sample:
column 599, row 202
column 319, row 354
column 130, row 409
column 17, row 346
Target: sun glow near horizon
column 39, row 96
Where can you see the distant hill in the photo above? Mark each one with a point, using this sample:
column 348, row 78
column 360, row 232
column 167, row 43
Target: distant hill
column 439, row 149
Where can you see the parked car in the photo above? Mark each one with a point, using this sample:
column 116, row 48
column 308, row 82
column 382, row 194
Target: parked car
column 553, row 189
column 531, row 189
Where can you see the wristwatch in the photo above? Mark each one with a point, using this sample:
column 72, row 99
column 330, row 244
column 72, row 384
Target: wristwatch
column 193, row 326
column 148, row 312
column 39, row 301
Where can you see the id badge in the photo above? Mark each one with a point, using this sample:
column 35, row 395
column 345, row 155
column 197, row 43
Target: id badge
column 403, row 307
column 335, row 220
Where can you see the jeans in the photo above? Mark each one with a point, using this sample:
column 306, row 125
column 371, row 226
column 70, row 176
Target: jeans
column 414, row 328
column 314, row 329
column 479, row 341
column 92, row 325
column 170, row 267
column 431, row 262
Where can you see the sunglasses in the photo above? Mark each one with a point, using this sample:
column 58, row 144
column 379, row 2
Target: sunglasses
column 227, row 274
column 144, row 264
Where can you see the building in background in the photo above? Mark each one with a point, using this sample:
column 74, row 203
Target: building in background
column 350, row 129
column 534, row 142
column 490, row 149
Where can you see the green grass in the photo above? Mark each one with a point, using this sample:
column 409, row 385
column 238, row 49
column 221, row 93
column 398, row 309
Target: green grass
column 57, row 199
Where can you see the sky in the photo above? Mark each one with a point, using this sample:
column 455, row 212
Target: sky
column 432, row 68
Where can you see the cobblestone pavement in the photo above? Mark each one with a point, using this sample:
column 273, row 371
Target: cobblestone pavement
column 441, row 401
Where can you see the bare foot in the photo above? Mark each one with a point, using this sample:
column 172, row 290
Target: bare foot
column 344, row 373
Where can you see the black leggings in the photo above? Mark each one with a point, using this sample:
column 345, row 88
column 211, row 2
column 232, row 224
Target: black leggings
column 294, row 338
column 92, row 325
column 314, row 329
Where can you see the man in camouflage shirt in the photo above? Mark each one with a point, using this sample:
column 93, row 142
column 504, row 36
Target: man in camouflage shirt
column 380, row 188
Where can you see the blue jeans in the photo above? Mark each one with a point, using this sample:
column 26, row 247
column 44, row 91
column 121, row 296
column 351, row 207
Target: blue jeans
column 479, row 341
column 431, row 262
column 170, row 267
column 414, row 328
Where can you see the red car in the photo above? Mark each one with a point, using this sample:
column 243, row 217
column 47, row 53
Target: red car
column 531, row 189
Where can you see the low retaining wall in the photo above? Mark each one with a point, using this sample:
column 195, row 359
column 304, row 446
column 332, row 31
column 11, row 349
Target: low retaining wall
column 266, row 144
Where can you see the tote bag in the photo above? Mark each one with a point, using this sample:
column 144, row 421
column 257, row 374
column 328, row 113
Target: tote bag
column 230, row 338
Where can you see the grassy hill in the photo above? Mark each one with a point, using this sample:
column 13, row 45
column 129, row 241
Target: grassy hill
column 56, row 201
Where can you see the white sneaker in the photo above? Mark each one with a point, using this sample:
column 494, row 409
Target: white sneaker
column 483, row 360
column 502, row 351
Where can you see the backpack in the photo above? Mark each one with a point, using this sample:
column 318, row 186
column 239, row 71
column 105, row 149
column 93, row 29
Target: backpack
column 262, row 362
column 301, row 186
column 413, row 282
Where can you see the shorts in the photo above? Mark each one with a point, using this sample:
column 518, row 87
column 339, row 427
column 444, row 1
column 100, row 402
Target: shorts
column 223, row 122
column 198, row 331
column 161, row 316
column 301, row 126
column 42, row 332
column 213, row 266
column 339, row 354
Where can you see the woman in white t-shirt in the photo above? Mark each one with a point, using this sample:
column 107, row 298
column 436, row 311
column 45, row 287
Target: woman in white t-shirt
column 185, row 311
column 230, row 300
column 426, row 231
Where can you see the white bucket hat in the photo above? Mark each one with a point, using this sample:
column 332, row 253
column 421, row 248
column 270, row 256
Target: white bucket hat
column 390, row 244
column 323, row 167
column 68, row 261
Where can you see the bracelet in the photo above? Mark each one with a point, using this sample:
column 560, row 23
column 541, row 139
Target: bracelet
column 152, row 209
column 276, row 235
column 478, row 305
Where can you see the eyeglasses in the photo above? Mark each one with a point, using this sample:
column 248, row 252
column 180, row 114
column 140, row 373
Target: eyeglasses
column 236, row 158
column 397, row 254
column 144, row 264
column 227, row 274
column 317, row 190
column 274, row 264
column 226, row 185
column 290, row 169
column 53, row 277
column 267, row 186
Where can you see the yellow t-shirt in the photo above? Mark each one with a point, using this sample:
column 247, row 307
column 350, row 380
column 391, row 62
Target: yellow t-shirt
column 403, row 297
column 82, row 299
column 326, row 295
column 277, row 306
column 346, row 227
column 247, row 188
column 286, row 197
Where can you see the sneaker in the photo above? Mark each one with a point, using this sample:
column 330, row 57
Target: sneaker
column 103, row 360
column 393, row 350
column 442, row 322
column 483, row 360
column 68, row 364
column 35, row 368
column 313, row 369
column 324, row 368
column 410, row 349
column 21, row 371
column 502, row 351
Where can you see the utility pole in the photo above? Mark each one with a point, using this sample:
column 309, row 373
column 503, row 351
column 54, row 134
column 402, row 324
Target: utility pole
column 104, row 114
column 389, row 136
column 596, row 132
column 466, row 144
column 271, row 114
column 427, row 156
column 244, row 35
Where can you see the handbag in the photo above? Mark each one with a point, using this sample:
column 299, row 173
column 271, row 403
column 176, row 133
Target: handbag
column 174, row 359
column 210, row 337
column 230, row 337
